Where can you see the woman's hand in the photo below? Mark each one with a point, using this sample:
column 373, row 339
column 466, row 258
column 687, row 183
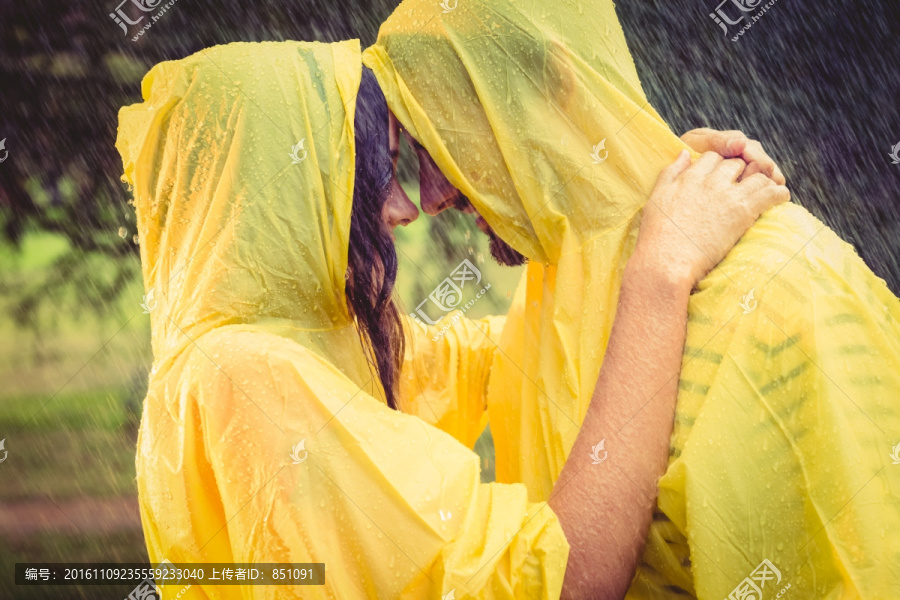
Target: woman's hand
column 734, row 144
column 697, row 213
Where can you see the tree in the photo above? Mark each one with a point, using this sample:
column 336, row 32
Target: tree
column 814, row 83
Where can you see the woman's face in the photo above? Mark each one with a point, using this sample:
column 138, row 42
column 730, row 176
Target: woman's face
column 398, row 209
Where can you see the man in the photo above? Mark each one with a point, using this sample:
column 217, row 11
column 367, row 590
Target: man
column 537, row 118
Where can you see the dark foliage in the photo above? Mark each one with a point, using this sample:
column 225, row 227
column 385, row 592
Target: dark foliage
column 816, row 82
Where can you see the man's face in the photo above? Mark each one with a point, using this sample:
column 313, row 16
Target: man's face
column 437, row 194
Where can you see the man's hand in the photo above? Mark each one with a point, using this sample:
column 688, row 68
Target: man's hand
column 734, row 144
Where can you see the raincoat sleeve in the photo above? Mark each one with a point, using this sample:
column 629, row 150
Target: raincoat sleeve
column 446, row 370
column 393, row 506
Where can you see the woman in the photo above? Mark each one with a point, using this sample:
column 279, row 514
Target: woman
column 787, row 401
column 268, row 434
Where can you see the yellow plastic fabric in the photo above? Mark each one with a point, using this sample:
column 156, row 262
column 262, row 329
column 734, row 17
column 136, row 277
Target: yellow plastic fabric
column 264, row 437
column 789, row 399
column 445, row 381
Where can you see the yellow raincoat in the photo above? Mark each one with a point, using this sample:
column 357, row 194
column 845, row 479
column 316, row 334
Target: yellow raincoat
column 789, row 400
column 264, row 436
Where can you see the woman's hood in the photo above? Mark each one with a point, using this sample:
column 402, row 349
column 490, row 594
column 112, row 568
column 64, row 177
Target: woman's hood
column 535, row 112
column 241, row 159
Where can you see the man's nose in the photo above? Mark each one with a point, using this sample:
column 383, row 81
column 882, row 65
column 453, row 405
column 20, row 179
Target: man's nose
column 431, row 200
column 435, row 193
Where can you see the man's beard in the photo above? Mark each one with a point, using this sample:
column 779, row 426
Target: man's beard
column 503, row 253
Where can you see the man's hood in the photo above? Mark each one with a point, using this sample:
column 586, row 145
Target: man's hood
column 535, row 112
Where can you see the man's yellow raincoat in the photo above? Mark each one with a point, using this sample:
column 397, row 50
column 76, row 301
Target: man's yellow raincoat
column 265, row 437
column 789, row 400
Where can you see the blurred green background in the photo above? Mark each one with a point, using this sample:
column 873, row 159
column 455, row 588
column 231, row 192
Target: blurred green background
column 817, row 84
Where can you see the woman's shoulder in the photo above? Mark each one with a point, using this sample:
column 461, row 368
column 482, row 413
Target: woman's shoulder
column 237, row 356
column 245, row 345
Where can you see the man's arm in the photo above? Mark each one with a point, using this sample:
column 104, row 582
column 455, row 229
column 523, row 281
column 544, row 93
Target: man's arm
column 604, row 497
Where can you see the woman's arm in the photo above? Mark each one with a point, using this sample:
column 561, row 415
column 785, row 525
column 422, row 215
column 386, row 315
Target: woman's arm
column 605, row 496
column 445, row 372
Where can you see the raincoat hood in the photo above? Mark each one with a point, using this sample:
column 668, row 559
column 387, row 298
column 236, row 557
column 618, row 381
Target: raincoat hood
column 527, row 117
column 241, row 159
column 535, row 112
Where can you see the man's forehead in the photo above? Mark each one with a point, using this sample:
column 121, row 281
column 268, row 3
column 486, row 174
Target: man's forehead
column 397, row 127
column 393, row 135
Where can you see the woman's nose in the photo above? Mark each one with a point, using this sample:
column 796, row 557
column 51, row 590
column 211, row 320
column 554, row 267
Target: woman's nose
column 399, row 209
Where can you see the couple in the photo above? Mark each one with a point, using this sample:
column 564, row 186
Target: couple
column 294, row 416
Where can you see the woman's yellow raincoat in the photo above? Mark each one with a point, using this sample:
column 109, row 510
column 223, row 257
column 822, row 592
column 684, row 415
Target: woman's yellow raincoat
column 789, row 401
column 265, row 437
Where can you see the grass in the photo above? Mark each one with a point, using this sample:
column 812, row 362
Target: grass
column 77, row 410
column 81, row 445
column 69, row 464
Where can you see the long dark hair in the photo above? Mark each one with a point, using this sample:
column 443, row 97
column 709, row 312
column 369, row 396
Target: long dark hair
column 372, row 258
